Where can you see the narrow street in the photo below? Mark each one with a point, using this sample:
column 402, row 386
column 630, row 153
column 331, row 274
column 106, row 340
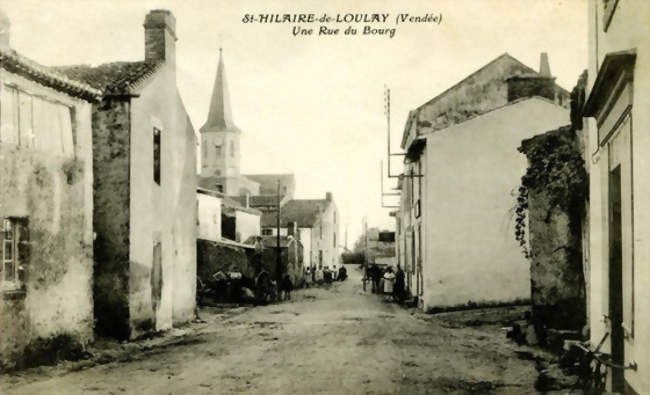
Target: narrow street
column 334, row 340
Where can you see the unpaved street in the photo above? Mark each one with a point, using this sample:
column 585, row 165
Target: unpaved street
column 336, row 340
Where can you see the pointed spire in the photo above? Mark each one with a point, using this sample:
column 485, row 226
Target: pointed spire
column 220, row 113
column 544, row 67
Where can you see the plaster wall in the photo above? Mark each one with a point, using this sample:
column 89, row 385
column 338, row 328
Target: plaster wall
column 322, row 238
column 473, row 171
column 162, row 214
column 247, row 225
column 53, row 194
column 209, row 217
column 636, row 188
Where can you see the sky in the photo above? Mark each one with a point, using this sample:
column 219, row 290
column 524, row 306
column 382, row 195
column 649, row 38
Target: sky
column 314, row 105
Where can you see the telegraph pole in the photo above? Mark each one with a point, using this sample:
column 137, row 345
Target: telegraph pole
column 278, row 250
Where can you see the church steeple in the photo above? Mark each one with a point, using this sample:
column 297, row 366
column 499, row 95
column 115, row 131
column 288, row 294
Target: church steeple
column 219, row 135
column 220, row 113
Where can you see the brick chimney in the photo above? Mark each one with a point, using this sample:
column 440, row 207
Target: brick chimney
column 5, row 29
column 292, row 229
column 540, row 84
column 544, row 67
column 160, row 37
column 328, row 196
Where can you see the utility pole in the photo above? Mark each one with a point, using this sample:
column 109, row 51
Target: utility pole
column 387, row 113
column 278, row 250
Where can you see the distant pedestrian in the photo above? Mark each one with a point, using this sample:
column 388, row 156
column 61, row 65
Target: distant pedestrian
column 400, row 287
column 327, row 275
column 308, row 277
column 375, row 275
column 343, row 273
column 257, row 255
column 389, row 277
column 285, row 287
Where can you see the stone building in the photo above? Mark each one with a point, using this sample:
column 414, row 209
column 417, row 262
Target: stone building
column 619, row 165
column 459, row 182
column 315, row 223
column 46, row 308
column 144, row 164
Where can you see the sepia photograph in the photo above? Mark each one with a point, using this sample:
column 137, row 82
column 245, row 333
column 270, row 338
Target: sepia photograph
column 325, row 197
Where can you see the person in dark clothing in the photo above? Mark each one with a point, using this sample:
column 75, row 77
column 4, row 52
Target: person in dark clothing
column 375, row 275
column 343, row 273
column 399, row 290
column 285, row 287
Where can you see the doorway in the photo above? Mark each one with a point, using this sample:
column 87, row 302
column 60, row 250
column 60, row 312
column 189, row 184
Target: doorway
column 616, row 278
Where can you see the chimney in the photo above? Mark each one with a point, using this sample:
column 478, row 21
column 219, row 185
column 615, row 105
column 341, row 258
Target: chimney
column 160, row 37
column 292, row 228
column 544, row 67
column 5, row 29
column 328, row 196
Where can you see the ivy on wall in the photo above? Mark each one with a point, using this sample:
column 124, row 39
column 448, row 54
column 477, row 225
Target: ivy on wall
column 555, row 165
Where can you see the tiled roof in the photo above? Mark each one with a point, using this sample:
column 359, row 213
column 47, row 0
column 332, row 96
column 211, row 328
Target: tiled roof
column 269, row 181
column 13, row 62
column 117, row 78
column 263, row 201
column 305, row 212
column 271, row 241
column 210, row 182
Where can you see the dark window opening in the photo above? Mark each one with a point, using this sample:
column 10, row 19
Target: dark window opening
column 156, row 155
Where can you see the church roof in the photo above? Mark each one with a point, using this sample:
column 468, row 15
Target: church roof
column 220, row 112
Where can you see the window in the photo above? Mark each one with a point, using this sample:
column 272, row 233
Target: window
column 334, row 217
column 232, row 149
column 334, row 240
column 156, row 155
column 267, row 232
column 218, row 150
column 219, row 187
column 13, row 236
column 35, row 122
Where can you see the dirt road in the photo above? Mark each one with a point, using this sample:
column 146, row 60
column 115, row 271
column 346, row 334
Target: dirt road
column 338, row 340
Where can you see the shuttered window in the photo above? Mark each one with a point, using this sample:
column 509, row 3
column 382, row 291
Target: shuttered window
column 34, row 122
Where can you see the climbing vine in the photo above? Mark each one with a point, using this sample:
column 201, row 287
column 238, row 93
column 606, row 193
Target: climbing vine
column 556, row 167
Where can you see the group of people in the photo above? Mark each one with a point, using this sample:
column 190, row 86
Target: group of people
column 394, row 282
column 320, row 275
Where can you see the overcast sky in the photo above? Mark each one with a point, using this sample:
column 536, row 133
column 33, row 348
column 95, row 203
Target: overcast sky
column 313, row 105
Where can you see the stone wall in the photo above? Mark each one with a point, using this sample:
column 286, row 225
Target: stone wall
column 111, row 156
column 213, row 257
column 555, row 213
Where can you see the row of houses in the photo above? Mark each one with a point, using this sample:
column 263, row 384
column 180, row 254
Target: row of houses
column 514, row 189
column 98, row 199
column 101, row 206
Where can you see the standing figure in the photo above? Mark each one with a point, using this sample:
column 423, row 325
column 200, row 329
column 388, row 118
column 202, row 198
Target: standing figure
column 389, row 277
column 400, row 286
column 375, row 275
column 285, row 287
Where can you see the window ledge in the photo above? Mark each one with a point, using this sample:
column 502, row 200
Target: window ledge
column 10, row 294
